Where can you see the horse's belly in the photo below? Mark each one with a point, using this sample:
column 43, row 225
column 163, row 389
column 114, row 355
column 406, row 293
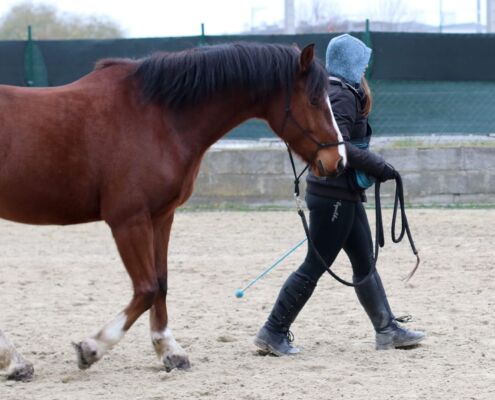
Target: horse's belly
column 31, row 207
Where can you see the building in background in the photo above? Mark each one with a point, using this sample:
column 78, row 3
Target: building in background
column 490, row 16
column 295, row 23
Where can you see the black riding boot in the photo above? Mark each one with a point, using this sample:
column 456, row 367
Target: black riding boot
column 273, row 337
column 389, row 334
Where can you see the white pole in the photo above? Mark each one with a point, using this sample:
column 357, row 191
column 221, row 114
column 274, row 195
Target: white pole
column 290, row 18
column 490, row 16
column 478, row 16
column 440, row 10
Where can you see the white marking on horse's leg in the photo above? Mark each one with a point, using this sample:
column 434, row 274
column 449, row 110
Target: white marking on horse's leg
column 341, row 147
column 168, row 350
column 17, row 367
column 164, row 342
column 113, row 332
column 110, row 335
column 93, row 348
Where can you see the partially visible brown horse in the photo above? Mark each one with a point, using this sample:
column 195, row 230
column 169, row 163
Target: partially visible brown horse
column 124, row 145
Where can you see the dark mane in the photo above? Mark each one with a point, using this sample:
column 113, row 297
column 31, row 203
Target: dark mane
column 185, row 78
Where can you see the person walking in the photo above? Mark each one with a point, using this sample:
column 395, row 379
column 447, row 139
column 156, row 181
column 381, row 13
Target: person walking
column 337, row 218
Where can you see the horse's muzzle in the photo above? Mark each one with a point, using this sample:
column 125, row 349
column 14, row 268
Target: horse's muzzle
column 323, row 171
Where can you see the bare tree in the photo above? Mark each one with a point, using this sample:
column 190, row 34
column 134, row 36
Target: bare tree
column 394, row 11
column 49, row 23
column 319, row 13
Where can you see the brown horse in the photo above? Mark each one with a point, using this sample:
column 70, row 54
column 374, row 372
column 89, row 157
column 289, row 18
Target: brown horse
column 124, row 145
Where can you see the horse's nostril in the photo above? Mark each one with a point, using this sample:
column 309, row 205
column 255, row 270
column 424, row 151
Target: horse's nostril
column 340, row 166
column 321, row 168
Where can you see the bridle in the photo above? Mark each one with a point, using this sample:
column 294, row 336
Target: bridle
column 288, row 116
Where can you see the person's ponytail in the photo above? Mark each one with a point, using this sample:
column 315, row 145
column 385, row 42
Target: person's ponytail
column 368, row 98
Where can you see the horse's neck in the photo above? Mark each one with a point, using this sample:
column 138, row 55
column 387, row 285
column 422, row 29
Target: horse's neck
column 207, row 123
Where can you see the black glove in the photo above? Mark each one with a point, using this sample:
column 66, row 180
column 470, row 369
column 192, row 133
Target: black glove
column 388, row 173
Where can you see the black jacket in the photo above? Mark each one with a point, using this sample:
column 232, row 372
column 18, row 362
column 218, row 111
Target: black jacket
column 347, row 106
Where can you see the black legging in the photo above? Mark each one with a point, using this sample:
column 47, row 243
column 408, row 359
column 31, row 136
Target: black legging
column 334, row 225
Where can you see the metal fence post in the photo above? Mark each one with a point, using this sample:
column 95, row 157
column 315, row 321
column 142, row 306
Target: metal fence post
column 202, row 38
column 28, row 60
column 367, row 41
column 35, row 73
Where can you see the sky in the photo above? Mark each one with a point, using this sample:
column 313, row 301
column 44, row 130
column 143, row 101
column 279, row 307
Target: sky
column 162, row 18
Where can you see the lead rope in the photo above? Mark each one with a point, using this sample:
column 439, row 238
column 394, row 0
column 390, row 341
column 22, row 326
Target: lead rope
column 311, row 245
column 399, row 198
column 379, row 235
column 398, row 202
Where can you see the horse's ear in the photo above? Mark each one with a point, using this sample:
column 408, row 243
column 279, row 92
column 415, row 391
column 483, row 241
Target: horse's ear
column 306, row 57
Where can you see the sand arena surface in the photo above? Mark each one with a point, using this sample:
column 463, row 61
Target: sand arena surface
column 60, row 284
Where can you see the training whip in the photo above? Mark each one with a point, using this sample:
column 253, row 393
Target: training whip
column 240, row 292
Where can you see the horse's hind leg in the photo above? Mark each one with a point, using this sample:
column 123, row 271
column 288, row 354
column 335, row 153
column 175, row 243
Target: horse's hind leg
column 134, row 239
column 167, row 349
column 17, row 367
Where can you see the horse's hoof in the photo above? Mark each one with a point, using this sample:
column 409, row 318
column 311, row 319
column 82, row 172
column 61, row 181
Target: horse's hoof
column 22, row 372
column 87, row 353
column 179, row 361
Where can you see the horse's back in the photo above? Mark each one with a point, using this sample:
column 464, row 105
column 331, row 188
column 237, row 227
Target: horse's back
column 52, row 143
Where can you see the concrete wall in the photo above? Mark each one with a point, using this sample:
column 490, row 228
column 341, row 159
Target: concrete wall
column 432, row 176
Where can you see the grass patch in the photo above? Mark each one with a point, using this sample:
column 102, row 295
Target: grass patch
column 454, row 206
column 408, row 143
column 421, row 144
column 242, row 207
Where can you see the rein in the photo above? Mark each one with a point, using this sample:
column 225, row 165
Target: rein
column 379, row 235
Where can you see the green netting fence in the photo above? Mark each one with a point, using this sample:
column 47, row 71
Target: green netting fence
column 418, row 108
column 433, row 107
column 422, row 83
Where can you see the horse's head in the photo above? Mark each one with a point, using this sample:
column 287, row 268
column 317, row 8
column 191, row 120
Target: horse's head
column 306, row 121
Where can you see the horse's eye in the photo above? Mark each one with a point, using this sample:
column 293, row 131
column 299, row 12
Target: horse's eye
column 315, row 101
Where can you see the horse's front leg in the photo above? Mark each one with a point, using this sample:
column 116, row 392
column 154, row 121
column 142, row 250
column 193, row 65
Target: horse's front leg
column 134, row 239
column 17, row 367
column 167, row 349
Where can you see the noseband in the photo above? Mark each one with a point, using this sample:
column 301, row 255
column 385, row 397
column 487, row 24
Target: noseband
column 309, row 134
